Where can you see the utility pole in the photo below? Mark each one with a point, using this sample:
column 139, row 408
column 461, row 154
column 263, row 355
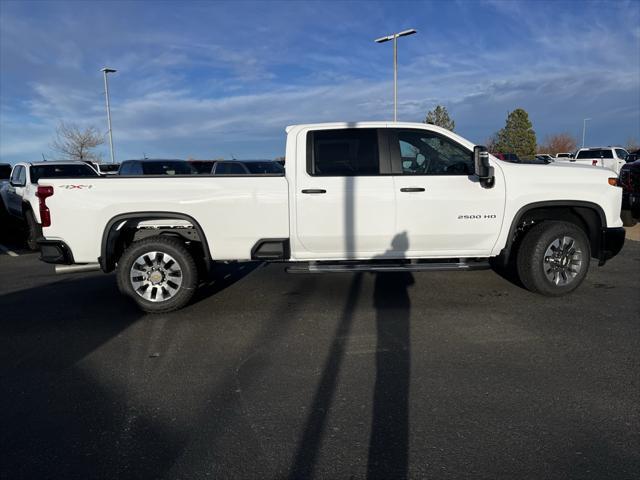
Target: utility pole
column 395, row 37
column 584, row 128
column 106, row 70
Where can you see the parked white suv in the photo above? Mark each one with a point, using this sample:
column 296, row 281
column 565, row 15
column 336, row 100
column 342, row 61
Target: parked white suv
column 611, row 158
column 19, row 194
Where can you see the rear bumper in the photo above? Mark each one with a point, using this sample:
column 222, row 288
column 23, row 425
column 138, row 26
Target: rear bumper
column 612, row 240
column 55, row 251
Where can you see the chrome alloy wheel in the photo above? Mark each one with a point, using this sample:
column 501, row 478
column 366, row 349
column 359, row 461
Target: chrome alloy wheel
column 156, row 276
column 562, row 261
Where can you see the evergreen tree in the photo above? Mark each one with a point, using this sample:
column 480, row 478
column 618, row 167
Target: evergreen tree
column 440, row 117
column 517, row 136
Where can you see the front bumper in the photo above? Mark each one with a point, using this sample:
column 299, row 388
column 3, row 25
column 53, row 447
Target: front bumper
column 611, row 242
column 55, row 251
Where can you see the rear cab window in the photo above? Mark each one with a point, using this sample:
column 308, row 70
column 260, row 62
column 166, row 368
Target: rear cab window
column 343, row 152
column 595, row 153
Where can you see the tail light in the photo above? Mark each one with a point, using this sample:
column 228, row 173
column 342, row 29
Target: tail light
column 594, row 163
column 45, row 215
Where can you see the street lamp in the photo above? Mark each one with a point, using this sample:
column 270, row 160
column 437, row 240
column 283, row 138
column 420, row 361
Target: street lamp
column 106, row 70
column 395, row 37
column 584, row 128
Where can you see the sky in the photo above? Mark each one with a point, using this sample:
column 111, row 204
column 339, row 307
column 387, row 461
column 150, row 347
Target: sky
column 223, row 79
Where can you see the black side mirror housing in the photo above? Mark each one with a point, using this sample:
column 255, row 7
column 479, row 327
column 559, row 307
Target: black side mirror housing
column 483, row 169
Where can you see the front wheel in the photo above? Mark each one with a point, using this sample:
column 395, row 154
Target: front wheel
column 553, row 258
column 34, row 230
column 158, row 273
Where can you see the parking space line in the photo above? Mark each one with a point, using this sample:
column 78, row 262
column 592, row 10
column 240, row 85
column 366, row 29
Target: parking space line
column 11, row 253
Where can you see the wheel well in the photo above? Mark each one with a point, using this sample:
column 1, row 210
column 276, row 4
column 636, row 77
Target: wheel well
column 122, row 230
column 589, row 218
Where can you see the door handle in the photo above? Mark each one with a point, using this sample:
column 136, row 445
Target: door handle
column 412, row 189
column 314, row 190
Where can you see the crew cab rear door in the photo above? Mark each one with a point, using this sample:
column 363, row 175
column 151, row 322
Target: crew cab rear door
column 441, row 208
column 345, row 201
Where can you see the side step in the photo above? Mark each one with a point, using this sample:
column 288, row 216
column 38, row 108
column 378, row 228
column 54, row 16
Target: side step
column 313, row 267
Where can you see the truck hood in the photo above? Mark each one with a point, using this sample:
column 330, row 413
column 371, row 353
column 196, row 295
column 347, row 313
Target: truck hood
column 566, row 171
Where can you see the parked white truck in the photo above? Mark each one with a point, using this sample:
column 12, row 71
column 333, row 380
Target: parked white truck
column 371, row 196
column 18, row 195
column 610, row 158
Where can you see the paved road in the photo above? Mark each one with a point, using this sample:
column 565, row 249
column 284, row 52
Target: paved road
column 269, row 375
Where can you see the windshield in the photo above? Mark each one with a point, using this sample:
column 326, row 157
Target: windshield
column 109, row 167
column 603, row 153
column 61, row 171
column 167, row 168
column 264, row 167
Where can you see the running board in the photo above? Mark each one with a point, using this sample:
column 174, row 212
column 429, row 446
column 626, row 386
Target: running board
column 386, row 267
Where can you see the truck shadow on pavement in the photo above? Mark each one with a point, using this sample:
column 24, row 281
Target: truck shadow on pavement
column 60, row 418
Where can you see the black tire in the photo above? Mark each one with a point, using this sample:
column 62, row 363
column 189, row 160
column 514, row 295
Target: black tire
column 184, row 262
column 34, row 230
column 627, row 218
column 535, row 267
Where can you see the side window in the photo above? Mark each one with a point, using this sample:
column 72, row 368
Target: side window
column 428, row 153
column 344, row 153
column 622, row 154
column 15, row 175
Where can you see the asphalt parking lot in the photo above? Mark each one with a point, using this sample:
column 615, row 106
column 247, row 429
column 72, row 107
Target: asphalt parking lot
column 270, row 375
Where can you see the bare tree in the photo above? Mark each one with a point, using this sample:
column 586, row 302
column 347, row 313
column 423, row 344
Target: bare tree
column 632, row 144
column 74, row 143
column 561, row 142
column 491, row 142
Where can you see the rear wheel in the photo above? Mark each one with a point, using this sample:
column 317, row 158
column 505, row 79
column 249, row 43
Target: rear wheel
column 34, row 230
column 158, row 273
column 554, row 258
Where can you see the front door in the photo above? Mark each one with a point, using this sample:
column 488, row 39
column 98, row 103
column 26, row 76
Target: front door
column 442, row 210
column 345, row 201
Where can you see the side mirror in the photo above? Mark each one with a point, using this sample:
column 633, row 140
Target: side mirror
column 483, row 168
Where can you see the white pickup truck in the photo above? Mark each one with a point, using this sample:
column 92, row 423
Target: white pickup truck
column 19, row 193
column 371, row 196
column 610, row 158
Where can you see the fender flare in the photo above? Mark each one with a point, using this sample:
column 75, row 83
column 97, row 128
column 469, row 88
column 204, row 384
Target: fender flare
column 110, row 235
column 506, row 251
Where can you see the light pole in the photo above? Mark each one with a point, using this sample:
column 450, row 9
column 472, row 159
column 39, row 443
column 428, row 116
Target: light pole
column 584, row 128
column 395, row 37
column 106, row 70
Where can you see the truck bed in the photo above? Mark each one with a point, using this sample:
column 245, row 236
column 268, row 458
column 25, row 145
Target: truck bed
column 230, row 209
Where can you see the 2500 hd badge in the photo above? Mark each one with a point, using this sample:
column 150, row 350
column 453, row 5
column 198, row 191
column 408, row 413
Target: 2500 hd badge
column 476, row 217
